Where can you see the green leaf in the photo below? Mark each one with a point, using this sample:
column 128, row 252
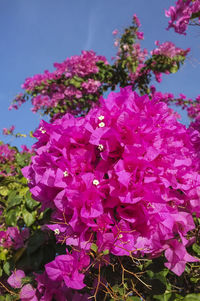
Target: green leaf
column 13, row 200
column 23, row 191
column 24, row 181
column 26, row 280
column 195, row 15
column 177, row 297
column 3, row 254
column 31, row 204
column 75, row 83
column 12, row 216
column 117, row 289
column 196, row 248
column 31, row 134
column 192, row 297
column 4, row 191
column 174, row 69
column 106, row 252
column 150, row 273
column 194, row 280
column 10, row 298
column 94, row 247
column 29, row 217
column 163, row 297
column 6, row 268
column 22, row 159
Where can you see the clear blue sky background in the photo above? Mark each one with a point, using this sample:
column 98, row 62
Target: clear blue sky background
column 36, row 33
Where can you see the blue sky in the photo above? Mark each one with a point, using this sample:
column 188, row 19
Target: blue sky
column 36, row 33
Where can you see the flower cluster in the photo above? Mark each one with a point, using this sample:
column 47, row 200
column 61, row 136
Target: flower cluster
column 192, row 106
column 195, row 135
column 166, row 58
column 122, row 178
column 8, row 131
column 136, row 62
column 6, row 153
column 13, row 238
column 169, row 98
column 138, row 56
column 72, row 79
column 182, row 13
column 47, row 289
column 8, row 162
column 169, row 49
column 130, row 51
column 7, row 157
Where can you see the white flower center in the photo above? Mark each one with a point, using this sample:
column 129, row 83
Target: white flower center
column 95, row 182
column 42, row 130
column 101, row 124
column 65, row 173
column 101, row 117
column 100, row 147
column 57, row 231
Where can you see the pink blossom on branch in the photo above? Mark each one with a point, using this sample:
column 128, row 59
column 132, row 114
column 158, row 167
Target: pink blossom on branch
column 13, row 238
column 182, row 14
column 28, row 293
column 63, row 84
column 67, row 267
column 15, row 280
column 8, row 131
column 169, row 49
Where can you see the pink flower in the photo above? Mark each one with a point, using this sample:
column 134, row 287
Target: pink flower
column 140, row 35
column 15, row 279
column 115, row 32
column 5, row 131
column 13, row 238
column 136, row 20
column 177, row 257
column 66, row 267
column 169, row 49
column 28, row 293
column 91, row 86
column 116, row 43
column 8, row 131
column 48, row 289
column 181, row 14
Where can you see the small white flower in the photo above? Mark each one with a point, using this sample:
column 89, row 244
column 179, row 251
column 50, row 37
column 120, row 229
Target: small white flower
column 101, row 124
column 100, row 147
column 120, row 235
column 42, row 130
column 101, row 117
column 65, row 173
column 95, row 182
column 57, row 231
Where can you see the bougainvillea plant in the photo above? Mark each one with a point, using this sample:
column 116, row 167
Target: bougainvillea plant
column 106, row 204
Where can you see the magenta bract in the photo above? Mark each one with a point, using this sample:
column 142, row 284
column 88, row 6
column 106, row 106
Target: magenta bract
column 122, row 177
